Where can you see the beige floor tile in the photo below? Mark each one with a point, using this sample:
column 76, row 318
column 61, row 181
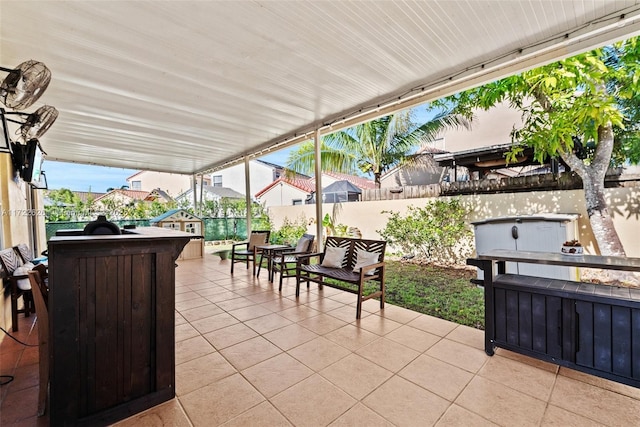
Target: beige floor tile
column 200, row 372
column 201, row 312
column 467, row 335
column 226, row 337
column 555, row 416
column 186, row 296
column 433, row 325
column 500, row 404
column 189, row 304
column 439, row 377
column 344, row 297
column 541, row 364
column 520, row 376
column 352, row 337
column 248, row 313
column 356, row 375
column 179, row 319
column 262, row 297
column 290, row 336
column 276, row 374
column 377, row 324
column 372, row 306
column 596, row 403
column 180, row 289
column 324, row 305
column 214, row 322
column 298, row 313
column 457, row 416
column 250, row 352
column 250, row 290
column 211, row 291
column 305, row 296
column 278, row 304
column 347, row 313
column 192, row 348
column 185, row 331
column 224, row 299
column 405, row 404
column 319, row 353
column 457, row 354
column 398, row 314
column 360, row 415
column 322, row 324
column 413, row 338
column 221, row 401
column 263, row 415
column 166, row 414
column 313, row 402
column 604, row 383
column 388, row 354
column 267, row 323
column 18, row 406
column 202, row 285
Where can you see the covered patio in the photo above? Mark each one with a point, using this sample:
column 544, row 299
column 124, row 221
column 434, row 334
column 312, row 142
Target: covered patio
column 194, row 87
column 248, row 355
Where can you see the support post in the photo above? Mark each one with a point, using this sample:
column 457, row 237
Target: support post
column 318, row 172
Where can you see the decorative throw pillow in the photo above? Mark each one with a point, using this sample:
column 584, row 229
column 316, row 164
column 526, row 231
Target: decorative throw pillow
column 23, row 284
column 303, row 245
column 333, row 257
column 365, row 258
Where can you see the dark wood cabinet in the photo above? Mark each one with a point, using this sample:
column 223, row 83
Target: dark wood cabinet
column 588, row 327
column 111, row 311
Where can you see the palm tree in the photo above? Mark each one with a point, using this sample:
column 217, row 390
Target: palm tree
column 373, row 147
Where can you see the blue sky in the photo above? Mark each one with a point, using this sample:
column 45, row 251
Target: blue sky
column 79, row 177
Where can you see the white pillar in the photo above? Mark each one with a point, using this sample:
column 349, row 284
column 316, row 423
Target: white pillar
column 318, row 172
column 247, row 190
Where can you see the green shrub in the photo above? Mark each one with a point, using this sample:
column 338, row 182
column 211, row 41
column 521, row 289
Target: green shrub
column 437, row 232
column 290, row 232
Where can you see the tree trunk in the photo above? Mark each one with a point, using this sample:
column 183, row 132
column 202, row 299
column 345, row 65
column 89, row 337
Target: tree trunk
column 376, row 179
column 593, row 184
column 601, row 221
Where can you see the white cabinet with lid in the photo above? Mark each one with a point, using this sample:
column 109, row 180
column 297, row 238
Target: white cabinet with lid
column 541, row 232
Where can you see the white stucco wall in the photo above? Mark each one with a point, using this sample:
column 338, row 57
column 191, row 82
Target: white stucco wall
column 172, row 183
column 367, row 216
column 260, row 176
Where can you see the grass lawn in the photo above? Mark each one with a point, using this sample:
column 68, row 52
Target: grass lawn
column 438, row 291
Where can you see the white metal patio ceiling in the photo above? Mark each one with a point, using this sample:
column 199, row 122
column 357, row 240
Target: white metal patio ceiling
column 186, row 86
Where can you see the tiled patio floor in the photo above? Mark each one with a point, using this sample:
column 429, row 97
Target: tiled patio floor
column 248, row 355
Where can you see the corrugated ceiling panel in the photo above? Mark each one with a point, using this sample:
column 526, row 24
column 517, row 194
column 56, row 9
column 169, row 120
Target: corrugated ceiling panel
column 184, row 85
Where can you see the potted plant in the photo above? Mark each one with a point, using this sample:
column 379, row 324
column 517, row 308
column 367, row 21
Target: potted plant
column 572, row 247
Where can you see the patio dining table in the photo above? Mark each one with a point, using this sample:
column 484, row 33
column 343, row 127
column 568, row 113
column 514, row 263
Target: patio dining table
column 268, row 251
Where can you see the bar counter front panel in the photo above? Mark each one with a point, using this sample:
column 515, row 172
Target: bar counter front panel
column 111, row 313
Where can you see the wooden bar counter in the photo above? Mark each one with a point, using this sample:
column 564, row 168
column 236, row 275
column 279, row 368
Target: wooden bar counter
column 111, row 313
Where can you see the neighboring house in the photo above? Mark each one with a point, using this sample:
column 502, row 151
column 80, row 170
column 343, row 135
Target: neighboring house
column 210, row 193
column 297, row 191
column 488, row 128
column 329, row 178
column 422, row 171
column 261, row 174
column 122, row 197
column 85, row 196
column 285, row 192
column 158, row 195
column 171, row 183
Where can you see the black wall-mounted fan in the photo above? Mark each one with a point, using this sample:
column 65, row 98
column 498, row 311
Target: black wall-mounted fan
column 24, row 84
column 38, row 122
